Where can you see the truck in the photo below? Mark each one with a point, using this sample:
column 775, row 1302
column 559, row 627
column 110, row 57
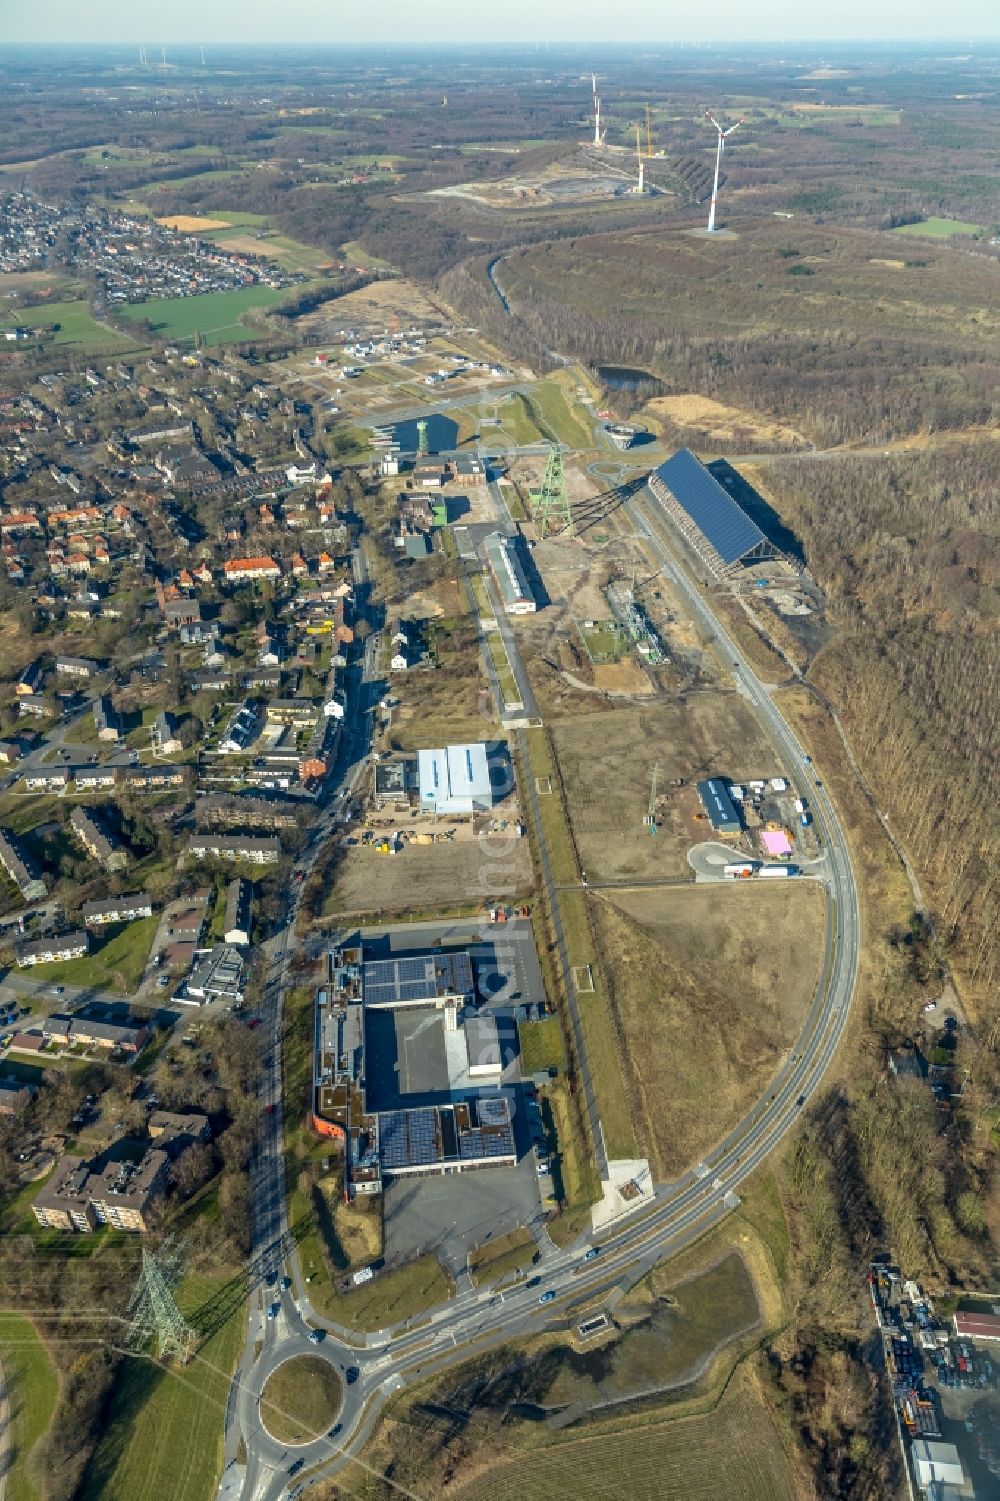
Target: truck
column 777, row 872
column 737, row 872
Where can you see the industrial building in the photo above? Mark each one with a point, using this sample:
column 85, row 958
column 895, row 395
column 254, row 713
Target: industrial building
column 511, row 579
column 455, row 779
column 977, row 1325
column 442, row 1111
column 718, row 806
column 724, row 537
column 441, row 979
column 936, row 1466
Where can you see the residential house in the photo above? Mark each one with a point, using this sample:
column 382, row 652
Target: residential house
column 248, row 570
column 99, row 845
column 164, row 735
column 234, row 847
column 239, row 908
column 125, row 908
column 106, row 719
column 52, row 949
column 20, row 866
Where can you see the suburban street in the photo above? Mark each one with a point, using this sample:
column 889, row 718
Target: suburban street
column 475, row 1319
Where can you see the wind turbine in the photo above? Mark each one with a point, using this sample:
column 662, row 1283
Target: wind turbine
column 723, row 134
column 598, row 138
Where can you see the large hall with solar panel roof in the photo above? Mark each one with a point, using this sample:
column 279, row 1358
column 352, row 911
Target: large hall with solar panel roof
column 408, row 1072
column 720, row 531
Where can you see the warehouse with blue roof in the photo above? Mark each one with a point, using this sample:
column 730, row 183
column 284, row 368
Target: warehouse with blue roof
column 717, row 527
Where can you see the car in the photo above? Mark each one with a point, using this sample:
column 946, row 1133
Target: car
column 548, row 1297
column 274, row 1310
column 285, row 1284
column 533, row 1282
column 316, row 1336
column 56, row 989
column 253, row 1023
column 930, row 1005
column 351, row 1374
column 296, row 1465
column 162, row 982
column 271, row 1279
column 593, row 1253
column 335, row 1430
column 801, row 1100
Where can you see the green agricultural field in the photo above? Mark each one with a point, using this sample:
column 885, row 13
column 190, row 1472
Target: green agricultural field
column 32, row 1387
column 76, row 328
column 163, row 1438
column 117, row 965
column 214, row 316
column 938, row 229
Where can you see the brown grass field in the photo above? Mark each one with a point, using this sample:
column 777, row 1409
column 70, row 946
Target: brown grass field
column 606, row 761
column 430, row 875
column 710, row 987
column 734, row 1451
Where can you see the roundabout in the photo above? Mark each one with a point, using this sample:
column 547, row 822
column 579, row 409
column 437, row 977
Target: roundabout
column 300, row 1400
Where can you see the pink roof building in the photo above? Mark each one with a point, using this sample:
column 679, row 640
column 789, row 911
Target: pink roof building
column 776, row 842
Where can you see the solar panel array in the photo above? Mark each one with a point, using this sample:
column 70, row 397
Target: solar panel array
column 416, row 979
column 720, row 520
column 409, row 1138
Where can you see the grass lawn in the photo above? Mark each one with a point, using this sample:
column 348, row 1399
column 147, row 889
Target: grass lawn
column 541, row 1046
column 77, row 329
column 390, row 1297
column 515, row 418
column 214, row 316
column 33, row 1387
column 117, row 965
column 561, row 413
column 503, row 1256
column 163, row 1436
column 938, row 229
column 300, row 1399
column 542, row 767
column 598, row 1036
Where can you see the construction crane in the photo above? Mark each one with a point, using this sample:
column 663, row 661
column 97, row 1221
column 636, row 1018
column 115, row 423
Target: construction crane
column 649, row 131
column 650, row 818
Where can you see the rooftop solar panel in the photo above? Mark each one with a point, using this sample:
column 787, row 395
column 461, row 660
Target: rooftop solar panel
column 721, row 521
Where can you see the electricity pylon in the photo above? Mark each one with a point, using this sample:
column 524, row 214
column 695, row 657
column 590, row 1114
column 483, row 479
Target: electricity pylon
column 550, row 505
column 153, row 1308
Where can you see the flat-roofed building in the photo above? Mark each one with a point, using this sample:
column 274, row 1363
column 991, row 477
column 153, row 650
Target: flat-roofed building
column 439, row 979
column 217, row 976
column 482, row 1043
column 455, row 780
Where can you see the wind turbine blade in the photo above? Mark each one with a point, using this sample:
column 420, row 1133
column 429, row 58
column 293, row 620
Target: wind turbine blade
column 715, row 123
column 733, row 127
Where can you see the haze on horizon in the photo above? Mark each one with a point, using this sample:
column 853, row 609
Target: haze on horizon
column 300, row 22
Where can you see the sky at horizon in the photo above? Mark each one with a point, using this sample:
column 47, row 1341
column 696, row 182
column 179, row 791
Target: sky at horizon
column 437, row 21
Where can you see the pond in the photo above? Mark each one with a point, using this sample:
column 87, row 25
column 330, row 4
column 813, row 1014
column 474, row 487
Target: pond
column 442, row 433
column 624, row 378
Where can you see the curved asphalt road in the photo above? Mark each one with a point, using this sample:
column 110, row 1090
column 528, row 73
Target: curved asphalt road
column 681, row 1211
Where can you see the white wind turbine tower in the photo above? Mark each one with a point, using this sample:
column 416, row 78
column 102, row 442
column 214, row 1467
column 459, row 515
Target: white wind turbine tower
column 723, row 134
column 598, row 138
